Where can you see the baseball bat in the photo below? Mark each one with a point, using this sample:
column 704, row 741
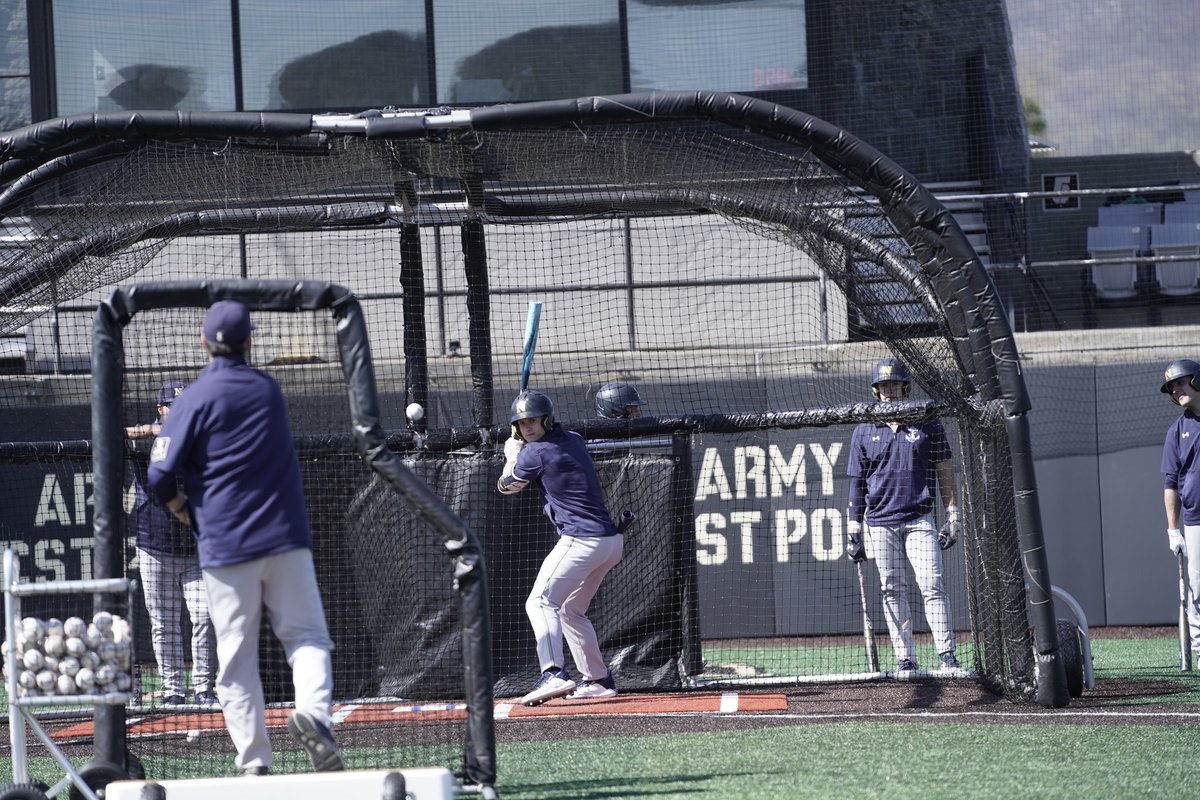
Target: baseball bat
column 1185, row 634
column 868, row 628
column 532, row 322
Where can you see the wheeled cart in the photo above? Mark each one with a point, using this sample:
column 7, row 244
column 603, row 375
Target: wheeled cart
column 20, row 706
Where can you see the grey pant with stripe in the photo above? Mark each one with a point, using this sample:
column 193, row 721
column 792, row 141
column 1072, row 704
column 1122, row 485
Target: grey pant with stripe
column 169, row 584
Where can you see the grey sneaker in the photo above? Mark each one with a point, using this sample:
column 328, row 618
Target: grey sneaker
column 207, row 699
column 948, row 660
column 596, row 690
column 256, row 770
column 906, row 665
column 316, row 738
column 174, row 700
column 553, row 683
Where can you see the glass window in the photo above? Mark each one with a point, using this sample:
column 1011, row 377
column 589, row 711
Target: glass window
column 319, row 55
column 527, row 50
column 737, row 46
column 143, row 54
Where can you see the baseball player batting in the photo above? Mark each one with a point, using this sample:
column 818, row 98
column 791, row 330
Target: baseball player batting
column 541, row 452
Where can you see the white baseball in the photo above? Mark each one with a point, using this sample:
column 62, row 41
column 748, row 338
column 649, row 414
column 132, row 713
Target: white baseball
column 106, row 673
column 120, row 630
column 89, row 660
column 54, row 645
column 33, row 629
column 85, row 679
column 123, row 681
column 69, row 665
column 51, row 663
column 415, row 412
column 46, row 680
column 193, row 736
column 92, row 637
column 74, row 626
column 27, row 679
column 66, row 684
column 103, row 621
column 75, row 646
column 54, row 627
column 33, row 659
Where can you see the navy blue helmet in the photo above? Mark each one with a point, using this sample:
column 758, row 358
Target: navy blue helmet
column 890, row 369
column 617, row 400
column 530, row 404
column 1181, row 368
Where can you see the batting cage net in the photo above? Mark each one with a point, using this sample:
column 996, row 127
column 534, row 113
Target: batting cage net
column 741, row 266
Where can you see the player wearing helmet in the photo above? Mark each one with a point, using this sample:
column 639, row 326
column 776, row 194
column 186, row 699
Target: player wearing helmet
column 618, row 400
column 893, row 468
column 1181, row 470
column 589, row 545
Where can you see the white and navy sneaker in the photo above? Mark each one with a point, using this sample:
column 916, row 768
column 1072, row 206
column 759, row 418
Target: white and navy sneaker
column 949, row 662
column 602, row 689
column 906, row 665
column 553, row 683
column 317, row 739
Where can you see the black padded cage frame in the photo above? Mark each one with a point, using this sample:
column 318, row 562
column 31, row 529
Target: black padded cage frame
column 940, row 271
column 465, row 569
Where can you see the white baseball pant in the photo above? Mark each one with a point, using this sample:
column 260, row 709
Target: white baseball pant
column 286, row 584
column 566, row 583
column 914, row 543
column 1191, row 537
column 169, row 583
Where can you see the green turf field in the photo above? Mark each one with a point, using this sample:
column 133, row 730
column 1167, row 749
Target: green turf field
column 1076, row 755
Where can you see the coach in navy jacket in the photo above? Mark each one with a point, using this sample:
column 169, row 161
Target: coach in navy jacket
column 229, row 443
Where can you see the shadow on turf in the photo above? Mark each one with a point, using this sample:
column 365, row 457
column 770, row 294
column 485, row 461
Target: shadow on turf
column 604, row 789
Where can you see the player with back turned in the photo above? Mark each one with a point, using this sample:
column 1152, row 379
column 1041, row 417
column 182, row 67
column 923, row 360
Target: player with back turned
column 895, row 471
column 229, row 445
column 1181, row 472
column 541, row 452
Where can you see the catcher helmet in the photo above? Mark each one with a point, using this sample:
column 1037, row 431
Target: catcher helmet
column 889, row 369
column 613, row 400
column 529, row 404
column 1181, row 368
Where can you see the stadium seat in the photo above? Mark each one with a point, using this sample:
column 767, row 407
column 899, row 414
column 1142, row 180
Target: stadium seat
column 1130, row 214
column 1117, row 281
column 1177, row 278
column 1179, row 213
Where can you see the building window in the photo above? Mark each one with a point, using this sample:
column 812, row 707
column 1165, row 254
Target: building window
column 143, row 54
column 367, row 54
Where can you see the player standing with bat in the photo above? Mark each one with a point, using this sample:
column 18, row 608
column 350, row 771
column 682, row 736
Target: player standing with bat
column 1181, row 496
column 589, row 545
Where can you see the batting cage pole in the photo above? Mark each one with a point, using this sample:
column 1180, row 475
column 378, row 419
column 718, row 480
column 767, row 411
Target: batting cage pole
column 468, row 571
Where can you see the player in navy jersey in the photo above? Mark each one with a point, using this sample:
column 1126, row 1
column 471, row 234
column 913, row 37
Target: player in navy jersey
column 172, row 580
column 225, row 464
column 541, row 452
column 895, row 472
column 1181, row 471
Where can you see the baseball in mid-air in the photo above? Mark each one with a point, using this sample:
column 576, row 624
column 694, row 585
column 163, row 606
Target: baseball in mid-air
column 415, row 412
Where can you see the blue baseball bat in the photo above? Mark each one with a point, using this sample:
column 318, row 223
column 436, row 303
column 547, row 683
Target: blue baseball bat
column 531, row 333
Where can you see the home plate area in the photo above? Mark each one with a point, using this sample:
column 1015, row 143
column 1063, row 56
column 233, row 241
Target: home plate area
column 368, row 715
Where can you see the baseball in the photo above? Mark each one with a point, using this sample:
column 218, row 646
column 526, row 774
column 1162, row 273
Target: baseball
column 75, row 646
column 103, row 621
column 85, row 679
column 193, row 736
column 27, row 679
column 33, row 659
column 55, row 645
column 66, row 684
column 46, row 680
column 415, row 412
column 74, row 626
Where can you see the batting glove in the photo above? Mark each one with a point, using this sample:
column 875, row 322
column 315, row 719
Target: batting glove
column 948, row 535
column 1176, row 540
column 854, row 542
column 512, row 448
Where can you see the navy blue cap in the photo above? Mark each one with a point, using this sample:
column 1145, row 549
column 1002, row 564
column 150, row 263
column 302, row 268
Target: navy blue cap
column 227, row 322
column 169, row 391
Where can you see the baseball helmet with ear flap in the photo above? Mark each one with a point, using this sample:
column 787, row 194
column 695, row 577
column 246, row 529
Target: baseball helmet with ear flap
column 531, row 404
column 890, row 369
column 1181, row 368
column 614, row 399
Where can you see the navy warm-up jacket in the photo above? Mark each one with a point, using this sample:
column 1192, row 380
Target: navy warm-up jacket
column 228, row 441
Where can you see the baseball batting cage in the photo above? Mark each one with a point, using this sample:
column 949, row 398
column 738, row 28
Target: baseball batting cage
column 743, row 264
